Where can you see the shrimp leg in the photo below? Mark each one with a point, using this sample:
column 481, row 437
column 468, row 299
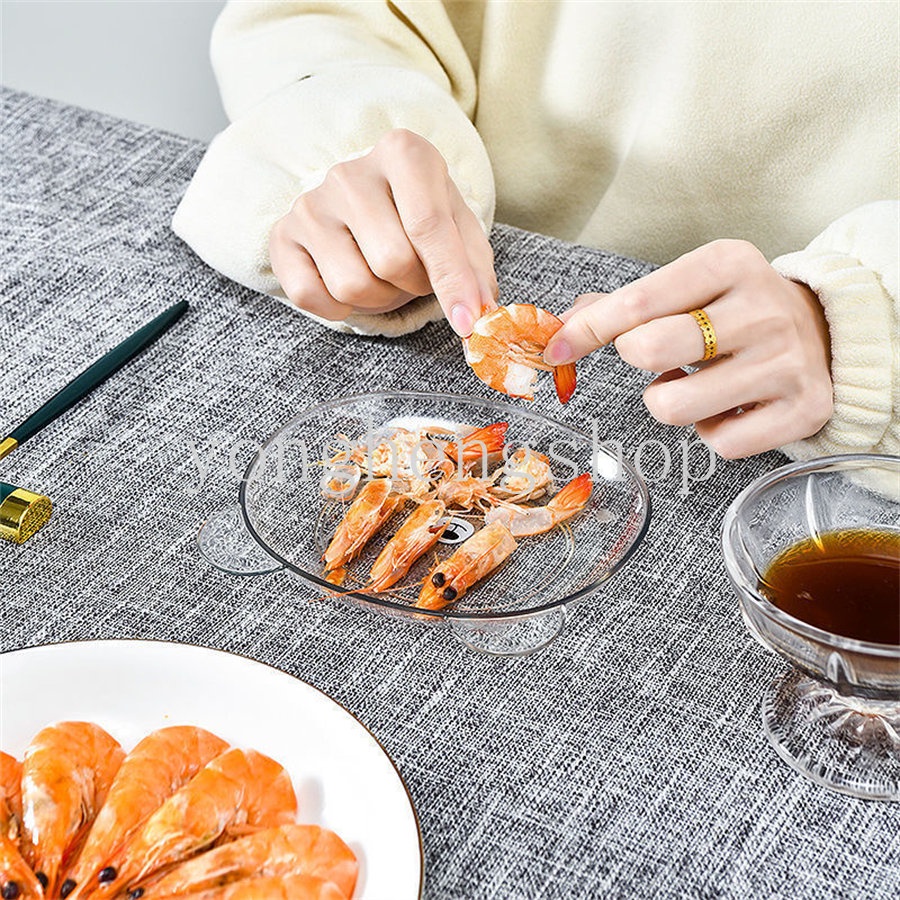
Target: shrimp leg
column 483, row 443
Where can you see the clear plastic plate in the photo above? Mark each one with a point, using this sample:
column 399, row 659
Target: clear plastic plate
column 283, row 521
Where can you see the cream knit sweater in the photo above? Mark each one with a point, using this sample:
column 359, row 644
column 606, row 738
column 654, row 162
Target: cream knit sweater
column 643, row 128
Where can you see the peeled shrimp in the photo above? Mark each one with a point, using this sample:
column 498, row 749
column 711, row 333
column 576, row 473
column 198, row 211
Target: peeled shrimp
column 528, row 520
column 472, row 561
column 409, row 457
column 392, row 456
column 526, row 476
column 286, row 850
column 159, row 765
column 288, row 887
column 466, row 493
column 239, row 789
column 506, row 347
column 16, row 877
column 417, row 535
column 10, row 797
column 66, row 774
column 365, row 515
column 443, row 460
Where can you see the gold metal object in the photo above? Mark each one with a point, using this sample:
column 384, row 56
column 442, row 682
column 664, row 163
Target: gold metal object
column 710, row 345
column 23, row 513
column 7, row 445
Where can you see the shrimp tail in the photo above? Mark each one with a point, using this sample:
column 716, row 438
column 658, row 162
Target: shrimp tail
column 489, row 439
column 481, row 442
column 564, row 381
column 572, row 497
column 336, row 576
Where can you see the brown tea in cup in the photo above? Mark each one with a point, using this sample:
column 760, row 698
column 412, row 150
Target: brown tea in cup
column 844, row 582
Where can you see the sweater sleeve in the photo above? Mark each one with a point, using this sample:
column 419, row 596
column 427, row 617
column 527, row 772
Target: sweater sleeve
column 311, row 84
column 853, row 268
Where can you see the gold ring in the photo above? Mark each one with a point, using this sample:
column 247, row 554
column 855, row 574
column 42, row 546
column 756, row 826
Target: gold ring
column 710, row 345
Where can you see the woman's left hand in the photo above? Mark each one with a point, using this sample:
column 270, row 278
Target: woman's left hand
column 770, row 382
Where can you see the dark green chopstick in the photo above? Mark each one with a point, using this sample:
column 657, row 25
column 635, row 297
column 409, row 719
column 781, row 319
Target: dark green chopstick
column 96, row 373
column 24, row 512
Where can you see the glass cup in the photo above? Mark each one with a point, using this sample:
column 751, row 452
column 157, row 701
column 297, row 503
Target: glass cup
column 834, row 715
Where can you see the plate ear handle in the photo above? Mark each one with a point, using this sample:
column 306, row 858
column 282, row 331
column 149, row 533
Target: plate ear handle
column 226, row 544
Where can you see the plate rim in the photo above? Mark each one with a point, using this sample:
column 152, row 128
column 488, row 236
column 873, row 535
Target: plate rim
column 636, row 542
column 267, row 665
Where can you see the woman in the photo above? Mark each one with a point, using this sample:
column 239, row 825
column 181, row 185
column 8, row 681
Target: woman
column 370, row 140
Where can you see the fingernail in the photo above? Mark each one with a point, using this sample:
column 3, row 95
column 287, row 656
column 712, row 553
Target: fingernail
column 461, row 320
column 488, row 298
column 558, row 352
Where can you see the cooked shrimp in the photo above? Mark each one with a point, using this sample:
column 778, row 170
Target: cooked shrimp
column 365, row 515
column 483, row 443
column 159, row 765
column 472, row 561
column 467, row 492
column 528, row 520
column 288, row 887
column 17, row 880
column 10, row 797
column 393, row 455
column 416, row 536
column 526, row 476
column 239, row 789
column 505, row 351
column 417, row 458
column 66, row 774
column 440, row 460
column 340, row 480
column 286, row 850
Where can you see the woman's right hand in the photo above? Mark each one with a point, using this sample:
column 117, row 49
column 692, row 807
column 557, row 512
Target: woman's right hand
column 380, row 230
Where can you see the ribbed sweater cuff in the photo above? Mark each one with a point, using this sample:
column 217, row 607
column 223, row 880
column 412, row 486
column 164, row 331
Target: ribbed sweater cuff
column 863, row 350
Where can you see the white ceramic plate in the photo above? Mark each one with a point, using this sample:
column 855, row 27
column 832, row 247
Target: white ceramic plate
column 343, row 778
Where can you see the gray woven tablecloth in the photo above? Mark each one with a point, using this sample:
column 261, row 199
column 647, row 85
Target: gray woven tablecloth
column 626, row 760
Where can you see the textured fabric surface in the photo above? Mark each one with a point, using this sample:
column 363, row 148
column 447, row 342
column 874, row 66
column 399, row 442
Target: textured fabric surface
column 625, row 760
